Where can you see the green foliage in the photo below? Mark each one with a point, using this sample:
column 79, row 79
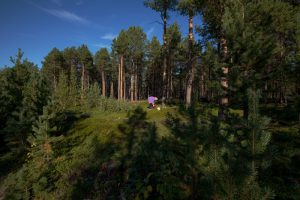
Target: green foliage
column 61, row 92
column 52, row 65
column 136, row 42
column 161, row 6
column 188, row 7
column 73, row 88
column 102, row 61
column 173, row 37
column 120, row 44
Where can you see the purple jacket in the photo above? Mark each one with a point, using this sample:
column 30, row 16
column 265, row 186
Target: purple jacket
column 151, row 99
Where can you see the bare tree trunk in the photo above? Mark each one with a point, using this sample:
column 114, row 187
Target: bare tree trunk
column 202, row 86
column 164, row 92
column 171, row 85
column 103, row 83
column 168, row 79
column 122, row 77
column 119, row 81
column 111, row 88
column 191, row 64
column 131, row 87
column 223, row 102
column 135, row 85
column 123, row 83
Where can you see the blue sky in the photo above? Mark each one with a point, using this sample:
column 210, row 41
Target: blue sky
column 37, row 26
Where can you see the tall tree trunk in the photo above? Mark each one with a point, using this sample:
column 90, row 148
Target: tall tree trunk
column 103, row 83
column 181, row 93
column 202, row 86
column 191, row 64
column 135, row 85
column 171, row 84
column 131, row 87
column 121, row 77
column 123, row 83
column 112, row 89
column 119, row 81
column 223, row 101
column 164, row 92
column 168, row 78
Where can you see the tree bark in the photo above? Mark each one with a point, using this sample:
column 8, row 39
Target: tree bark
column 121, row 77
column 223, row 101
column 119, row 81
column 164, row 92
column 112, row 89
column 131, row 87
column 123, row 83
column 202, row 86
column 191, row 64
column 135, row 85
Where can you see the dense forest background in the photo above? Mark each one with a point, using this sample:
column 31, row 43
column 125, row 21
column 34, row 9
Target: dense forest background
column 229, row 126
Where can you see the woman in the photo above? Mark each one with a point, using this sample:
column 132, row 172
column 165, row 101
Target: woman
column 151, row 101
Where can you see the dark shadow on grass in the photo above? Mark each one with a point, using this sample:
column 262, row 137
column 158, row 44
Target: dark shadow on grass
column 66, row 120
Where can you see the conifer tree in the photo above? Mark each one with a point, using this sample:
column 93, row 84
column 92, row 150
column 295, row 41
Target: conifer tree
column 153, row 70
column 52, row 65
column 87, row 69
column 102, row 62
column 163, row 7
column 136, row 49
column 120, row 47
column 41, row 147
column 188, row 7
column 61, row 94
column 258, row 137
column 173, row 41
column 93, row 96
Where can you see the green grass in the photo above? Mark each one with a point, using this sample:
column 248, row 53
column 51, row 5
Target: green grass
column 108, row 122
column 103, row 125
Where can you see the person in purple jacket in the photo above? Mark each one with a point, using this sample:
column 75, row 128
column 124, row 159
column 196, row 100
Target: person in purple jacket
column 151, row 101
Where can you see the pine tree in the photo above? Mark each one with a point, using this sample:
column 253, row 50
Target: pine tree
column 163, row 7
column 87, row 69
column 35, row 96
column 250, row 45
column 209, row 72
column 153, row 72
column 52, row 65
column 102, row 62
column 188, row 7
column 8, row 101
column 93, row 96
column 61, row 94
column 258, row 137
column 40, row 143
column 173, row 40
column 136, row 50
column 120, row 47
column 73, row 88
